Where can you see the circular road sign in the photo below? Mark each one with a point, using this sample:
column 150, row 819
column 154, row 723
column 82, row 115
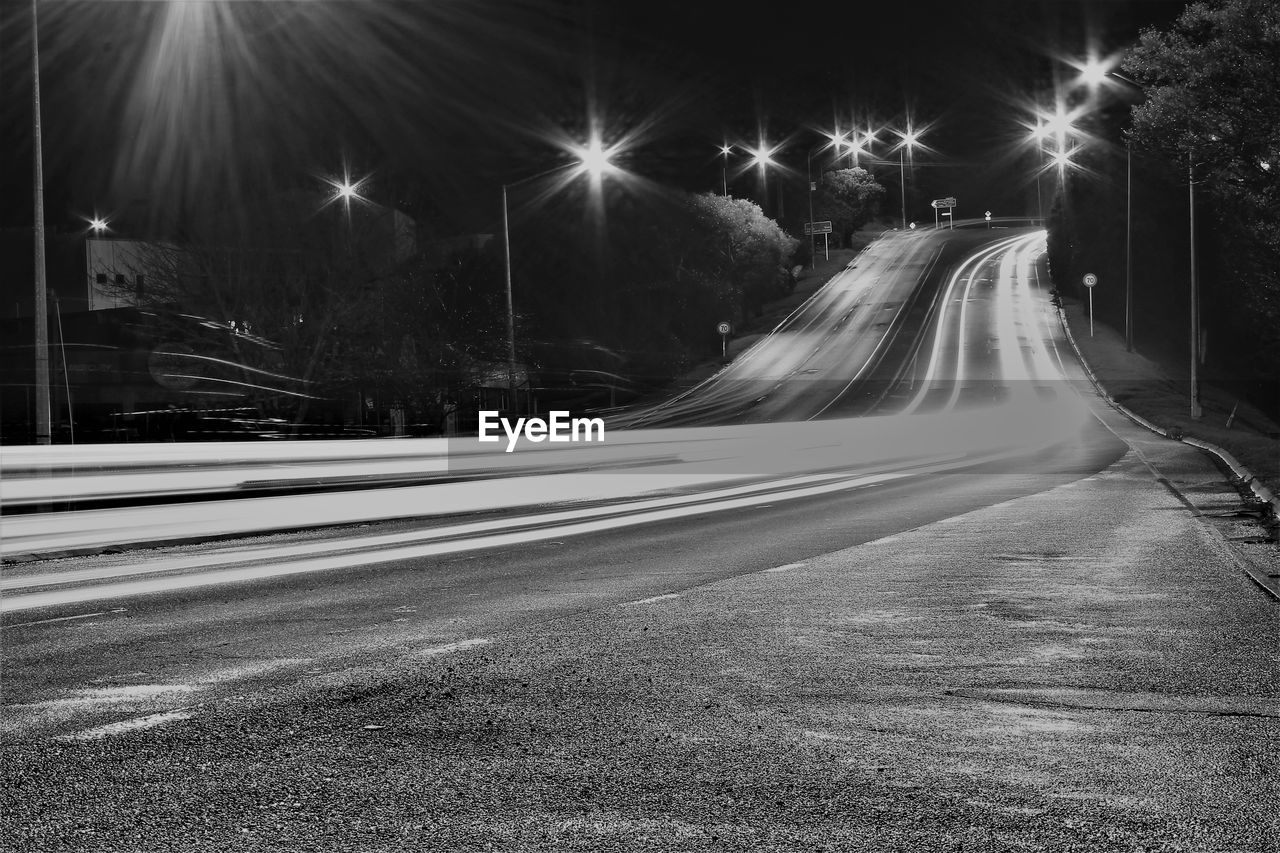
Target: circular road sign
column 1090, row 279
column 723, row 328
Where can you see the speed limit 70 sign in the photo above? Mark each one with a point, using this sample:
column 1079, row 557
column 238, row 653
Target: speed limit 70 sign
column 1090, row 279
column 723, row 328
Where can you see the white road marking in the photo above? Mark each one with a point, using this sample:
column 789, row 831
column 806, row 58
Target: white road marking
column 653, row 600
column 135, row 724
column 785, row 568
column 67, row 618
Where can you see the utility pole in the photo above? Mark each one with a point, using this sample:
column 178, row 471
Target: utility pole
column 43, row 428
column 1195, row 295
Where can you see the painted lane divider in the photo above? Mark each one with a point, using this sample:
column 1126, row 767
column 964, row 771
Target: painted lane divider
column 654, row 600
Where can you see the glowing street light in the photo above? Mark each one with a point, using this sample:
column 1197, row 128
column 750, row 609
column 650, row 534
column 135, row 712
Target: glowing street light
column 1094, row 72
column 345, row 190
column 594, row 159
column 844, row 143
column 762, row 159
column 725, row 151
column 1059, row 125
column 97, row 224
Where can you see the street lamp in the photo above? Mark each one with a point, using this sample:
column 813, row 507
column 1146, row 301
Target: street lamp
column 593, row 160
column 346, row 191
column 762, row 158
column 1038, row 136
column 725, row 151
column 813, row 254
column 909, row 139
column 1096, row 73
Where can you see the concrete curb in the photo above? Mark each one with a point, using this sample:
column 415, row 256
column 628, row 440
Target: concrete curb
column 1244, row 475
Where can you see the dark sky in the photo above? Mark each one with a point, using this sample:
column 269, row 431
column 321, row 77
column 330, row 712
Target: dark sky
column 152, row 109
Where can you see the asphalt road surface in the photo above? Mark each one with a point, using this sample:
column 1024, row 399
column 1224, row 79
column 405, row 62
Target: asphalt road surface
column 1050, row 647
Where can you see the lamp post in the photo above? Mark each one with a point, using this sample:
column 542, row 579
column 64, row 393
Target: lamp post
column 909, row 138
column 724, row 169
column 813, row 254
column 1095, row 73
column 41, row 308
column 1128, row 245
column 1038, row 135
column 593, row 160
column 1196, row 411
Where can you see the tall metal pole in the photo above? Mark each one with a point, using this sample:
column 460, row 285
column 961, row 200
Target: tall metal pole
column 724, row 173
column 813, row 260
column 902, row 180
column 1039, row 192
column 511, row 314
column 1128, row 248
column 1195, row 295
column 43, row 428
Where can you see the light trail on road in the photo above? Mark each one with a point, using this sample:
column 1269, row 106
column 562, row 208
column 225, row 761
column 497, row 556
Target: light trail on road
column 1011, row 305
column 817, row 353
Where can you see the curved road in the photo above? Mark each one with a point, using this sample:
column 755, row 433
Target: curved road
column 997, row 628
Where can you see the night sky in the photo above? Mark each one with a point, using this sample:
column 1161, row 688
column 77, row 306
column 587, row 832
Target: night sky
column 152, row 109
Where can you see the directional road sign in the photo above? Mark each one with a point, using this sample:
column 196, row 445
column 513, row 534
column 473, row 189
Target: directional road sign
column 818, row 227
column 949, row 201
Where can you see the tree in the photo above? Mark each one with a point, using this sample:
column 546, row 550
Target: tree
column 667, row 270
column 745, row 255
column 1212, row 109
column 849, row 198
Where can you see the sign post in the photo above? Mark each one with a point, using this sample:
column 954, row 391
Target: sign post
column 1089, row 281
column 723, row 329
column 948, row 204
column 988, row 220
column 823, row 228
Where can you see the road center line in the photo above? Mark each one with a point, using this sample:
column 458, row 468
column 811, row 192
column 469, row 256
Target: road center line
column 654, row 600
